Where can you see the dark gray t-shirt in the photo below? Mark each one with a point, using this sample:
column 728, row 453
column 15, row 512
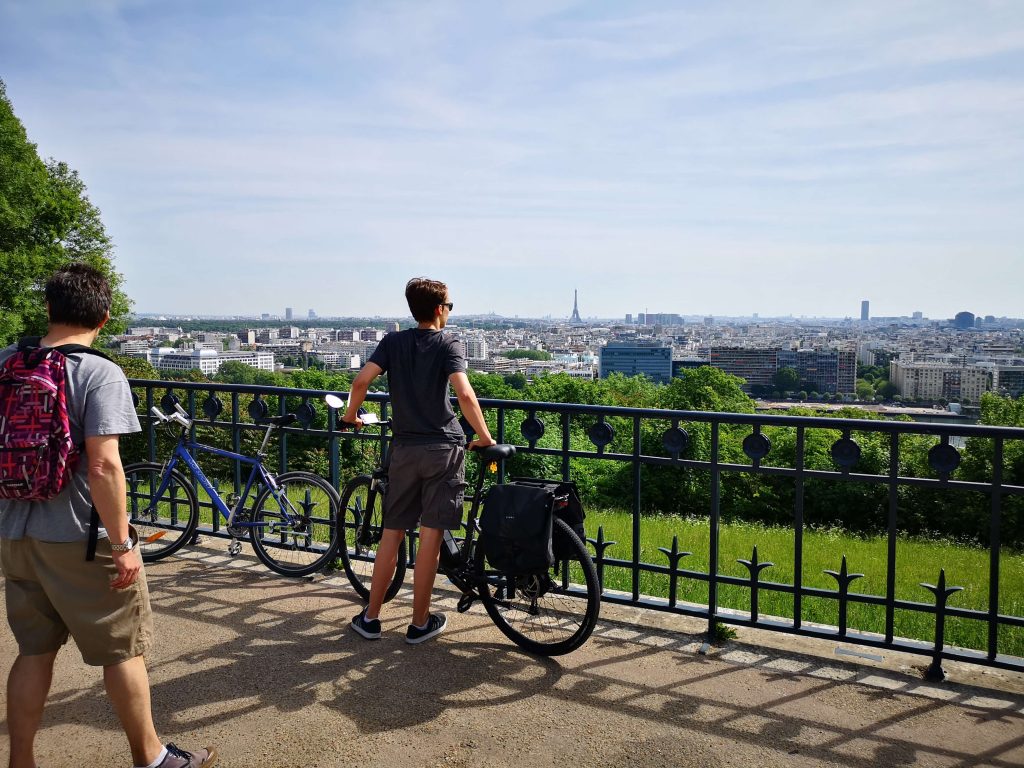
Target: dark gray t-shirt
column 418, row 363
column 99, row 403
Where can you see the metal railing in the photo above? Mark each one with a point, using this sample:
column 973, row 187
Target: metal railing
column 690, row 443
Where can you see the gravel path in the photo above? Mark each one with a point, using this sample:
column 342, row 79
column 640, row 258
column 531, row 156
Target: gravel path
column 264, row 668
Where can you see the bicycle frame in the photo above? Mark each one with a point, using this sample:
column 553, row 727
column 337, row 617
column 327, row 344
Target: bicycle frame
column 259, row 474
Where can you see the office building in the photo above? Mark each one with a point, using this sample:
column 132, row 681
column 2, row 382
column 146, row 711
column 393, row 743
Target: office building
column 208, row 361
column 756, row 366
column 287, row 313
column 963, row 320
column 940, row 381
column 865, row 314
column 653, row 360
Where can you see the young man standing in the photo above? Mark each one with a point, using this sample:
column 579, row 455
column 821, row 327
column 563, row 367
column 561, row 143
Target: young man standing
column 51, row 589
column 426, row 478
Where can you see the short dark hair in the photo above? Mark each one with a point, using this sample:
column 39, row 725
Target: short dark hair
column 78, row 295
column 424, row 296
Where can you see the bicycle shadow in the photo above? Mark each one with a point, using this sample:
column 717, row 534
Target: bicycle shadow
column 396, row 685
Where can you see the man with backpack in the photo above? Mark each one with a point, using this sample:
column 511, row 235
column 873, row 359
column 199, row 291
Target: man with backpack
column 67, row 551
column 426, row 476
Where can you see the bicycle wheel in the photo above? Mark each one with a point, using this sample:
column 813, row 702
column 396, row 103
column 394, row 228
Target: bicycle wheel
column 541, row 615
column 165, row 523
column 295, row 526
column 362, row 513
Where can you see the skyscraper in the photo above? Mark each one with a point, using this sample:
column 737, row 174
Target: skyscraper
column 287, row 313
column 864, row 313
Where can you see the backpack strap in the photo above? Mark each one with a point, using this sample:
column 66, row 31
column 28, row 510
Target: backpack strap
column 94, row 525
column 30, row 343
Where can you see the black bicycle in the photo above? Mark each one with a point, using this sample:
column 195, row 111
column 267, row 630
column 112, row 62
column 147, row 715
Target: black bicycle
column 549, row 613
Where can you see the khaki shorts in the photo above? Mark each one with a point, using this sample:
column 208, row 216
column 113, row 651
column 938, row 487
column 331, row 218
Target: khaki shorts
column 52, row 591
column 426, row 486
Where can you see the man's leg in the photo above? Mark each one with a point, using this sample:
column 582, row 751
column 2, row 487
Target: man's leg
column 423, row 576
column 128, row 688
column 384, row 569
column 27, row 687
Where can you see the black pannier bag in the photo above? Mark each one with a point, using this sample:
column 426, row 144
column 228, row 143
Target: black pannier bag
column 568, row 508
column 516, row 528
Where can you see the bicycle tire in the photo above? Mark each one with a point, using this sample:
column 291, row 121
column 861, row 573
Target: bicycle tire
column 543, row 618
column 360, row 544
column 166, row 524
column 303, row 539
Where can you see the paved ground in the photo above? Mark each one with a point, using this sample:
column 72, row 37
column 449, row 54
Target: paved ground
column 264, row 668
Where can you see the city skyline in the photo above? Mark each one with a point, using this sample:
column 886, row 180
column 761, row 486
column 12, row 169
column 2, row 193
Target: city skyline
column 784, row 160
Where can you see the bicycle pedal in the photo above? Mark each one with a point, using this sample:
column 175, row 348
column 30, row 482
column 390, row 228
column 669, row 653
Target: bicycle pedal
column 234, row 548
column 465, row 602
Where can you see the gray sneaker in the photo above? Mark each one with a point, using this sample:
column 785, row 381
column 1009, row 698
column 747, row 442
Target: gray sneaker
column 436, row 623
column 179, row 758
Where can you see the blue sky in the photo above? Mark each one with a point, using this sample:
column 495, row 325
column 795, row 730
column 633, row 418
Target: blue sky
column 693, row 157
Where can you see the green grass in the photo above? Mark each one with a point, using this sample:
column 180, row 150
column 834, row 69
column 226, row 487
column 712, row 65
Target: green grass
column 917, row 560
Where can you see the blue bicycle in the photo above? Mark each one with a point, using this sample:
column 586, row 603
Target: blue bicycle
column 292, row 524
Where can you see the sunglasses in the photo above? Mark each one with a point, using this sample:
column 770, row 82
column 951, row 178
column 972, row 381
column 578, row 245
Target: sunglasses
column 448, row 304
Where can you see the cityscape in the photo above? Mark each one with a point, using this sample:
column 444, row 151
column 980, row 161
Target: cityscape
column 909, row 360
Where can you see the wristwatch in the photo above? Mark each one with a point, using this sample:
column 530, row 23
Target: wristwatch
column 128, row 545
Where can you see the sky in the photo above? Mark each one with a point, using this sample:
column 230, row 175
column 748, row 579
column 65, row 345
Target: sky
column 710, row 158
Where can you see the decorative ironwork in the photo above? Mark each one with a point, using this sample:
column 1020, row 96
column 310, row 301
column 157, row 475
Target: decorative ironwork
column 674, row 556
column 532, row 429
column 708, row 460
column 942, row 594
column 944, row 458
column 305, row 414
column 756, row 446
column 258, row 409
column 212, row 407
column 675, row 440
column 600, row 434
column 755, row 567
column 843, row 579
column 845, row 453
column 168, row 401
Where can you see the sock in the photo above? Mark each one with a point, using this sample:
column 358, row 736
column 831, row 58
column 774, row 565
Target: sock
column 425, row 623
column 366, row 616
column 159, row 759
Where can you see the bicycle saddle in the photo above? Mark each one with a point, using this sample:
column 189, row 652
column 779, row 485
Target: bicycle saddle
column 496, row 452
column 281, row 421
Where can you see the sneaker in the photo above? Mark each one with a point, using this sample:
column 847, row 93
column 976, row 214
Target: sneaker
column 435, row 626
column 368, row 628
column 179, row 758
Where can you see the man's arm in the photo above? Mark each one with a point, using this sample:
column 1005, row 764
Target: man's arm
column 471, row 410
column 107, row 487
column 357, row 394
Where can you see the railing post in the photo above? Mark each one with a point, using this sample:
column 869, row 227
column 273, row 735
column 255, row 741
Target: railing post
column 942, row 593
column 713, row 541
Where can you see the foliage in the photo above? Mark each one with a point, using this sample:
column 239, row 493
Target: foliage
column 46, row 222
column 527, row 354
column 786, row 379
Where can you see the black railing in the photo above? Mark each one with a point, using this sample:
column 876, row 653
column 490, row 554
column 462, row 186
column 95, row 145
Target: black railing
column 670, row 449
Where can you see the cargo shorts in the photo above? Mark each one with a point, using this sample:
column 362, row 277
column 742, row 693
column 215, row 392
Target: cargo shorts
column 52, row 592
column 426, row 486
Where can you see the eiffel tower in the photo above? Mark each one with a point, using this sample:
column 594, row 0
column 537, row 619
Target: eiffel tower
column 575, row 308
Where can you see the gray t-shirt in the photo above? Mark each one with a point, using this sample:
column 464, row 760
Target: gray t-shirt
column 99, row 403
column 418, row 363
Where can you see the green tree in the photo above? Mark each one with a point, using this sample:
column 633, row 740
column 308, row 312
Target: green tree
column 786, row 379
column 864, row 390
column 46, row 221
column 527, row 354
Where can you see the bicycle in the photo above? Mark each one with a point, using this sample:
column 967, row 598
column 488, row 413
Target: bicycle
column 292, row 524
column 549, row 613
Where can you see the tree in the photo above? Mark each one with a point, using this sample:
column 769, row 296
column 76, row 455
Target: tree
column 886, row 389
column 864, row 390
column 46, row 221
column 786, row 379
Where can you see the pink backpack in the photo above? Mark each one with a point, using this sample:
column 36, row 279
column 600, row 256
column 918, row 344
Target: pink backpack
column 37, row 454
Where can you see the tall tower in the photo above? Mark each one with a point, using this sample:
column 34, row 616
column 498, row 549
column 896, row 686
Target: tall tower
column 865, row 313
column 575, row 307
